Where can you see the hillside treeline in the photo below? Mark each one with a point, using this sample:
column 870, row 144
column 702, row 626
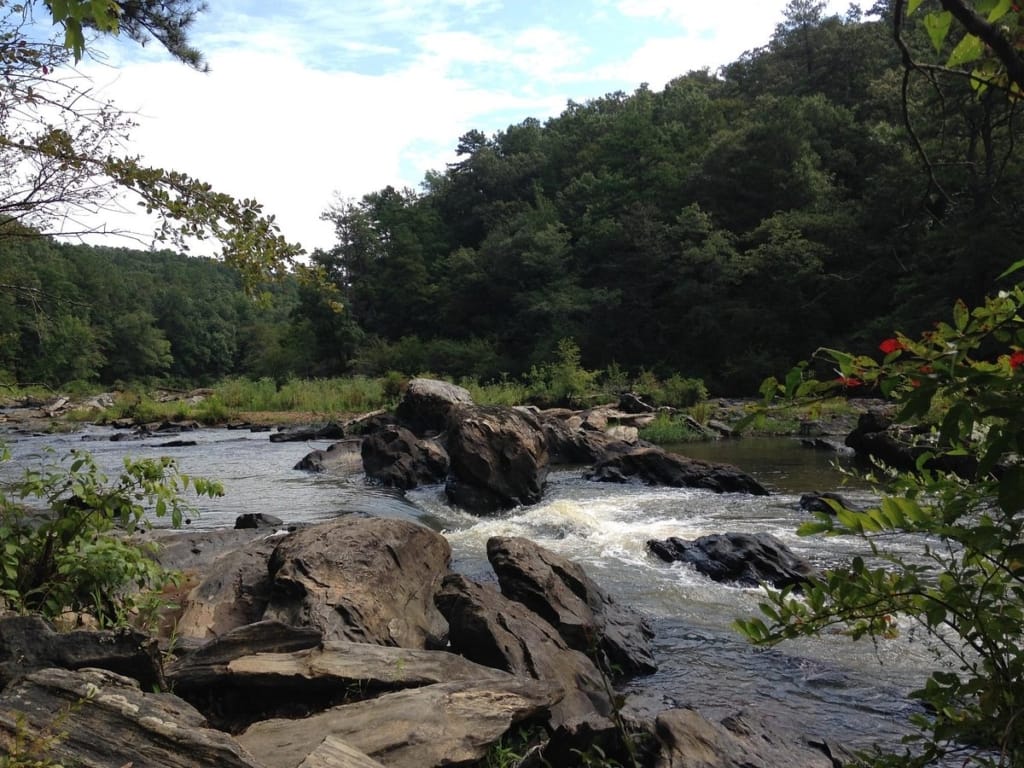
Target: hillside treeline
column 808, row 194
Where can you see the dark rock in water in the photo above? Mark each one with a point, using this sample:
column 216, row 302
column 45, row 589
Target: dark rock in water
column 361, row 578
column 329, row 431
column 499, row 458
column 818, row 502
column 559, row 591
column 258, row 520
column 93, row 718
column 397, row 458
column 488, row 628
column 340, row 457
column 654, row 466
column 28, row 643
column 178, row 444
column 744, row 558
column 426, row 403
column 686, row 739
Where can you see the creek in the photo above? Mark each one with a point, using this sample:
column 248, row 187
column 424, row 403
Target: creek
column 828, row 687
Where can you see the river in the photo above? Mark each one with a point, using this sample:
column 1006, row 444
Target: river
column 828, row 687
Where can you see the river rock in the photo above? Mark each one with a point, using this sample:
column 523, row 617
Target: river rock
column 258, row 520
column 29, row 643
column 395, row 457
column 426, row 403
column 688, row 740
column 570, row 440
column 499, row 458
column 233, row 591
column 362, row 578
column 488, row 628
column 339, row 458
column 559, row 591
column 275, row 672
column 654, row 466
column 329, row 431
column 818, row 501
column 876, row 438
column 744, row 558
column 436, row 725
column 93, row 718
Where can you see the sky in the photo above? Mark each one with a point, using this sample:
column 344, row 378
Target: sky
column 308, row 103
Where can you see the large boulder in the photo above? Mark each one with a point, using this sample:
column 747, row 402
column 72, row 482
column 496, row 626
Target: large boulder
column 444, row 724
column 233, row 591
column 655, row 466
column 686, row 739
column 488, row 628
column 29, row 643
column 395, row 457
column 362, row 578
column 572, row 440
column 93, row 718
column 743, row 558
column 425, row 405
column 499, row 458
column 559, row 591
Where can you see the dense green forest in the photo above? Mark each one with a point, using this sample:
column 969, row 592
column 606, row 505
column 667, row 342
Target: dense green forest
column 722, row 228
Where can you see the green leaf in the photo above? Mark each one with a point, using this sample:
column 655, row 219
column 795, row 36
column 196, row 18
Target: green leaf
column 937, row 25
column 969, row 49
column 961, row 315
column 1001, row 9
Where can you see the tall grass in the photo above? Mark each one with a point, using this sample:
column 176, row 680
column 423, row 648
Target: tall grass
column 321, row 396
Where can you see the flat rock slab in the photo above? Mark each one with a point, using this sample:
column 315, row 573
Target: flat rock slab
column 443, row 724
column 93, row 718
column 688, row 740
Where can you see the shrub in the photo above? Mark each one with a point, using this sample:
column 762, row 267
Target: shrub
column 965, row 587
column 70, row 548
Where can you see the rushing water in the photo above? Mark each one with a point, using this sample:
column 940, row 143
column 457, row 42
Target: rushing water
column 829, row 687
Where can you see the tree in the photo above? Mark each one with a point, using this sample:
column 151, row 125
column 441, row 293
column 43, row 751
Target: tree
column 61, row 150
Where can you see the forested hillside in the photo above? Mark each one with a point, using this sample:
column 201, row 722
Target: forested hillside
column 722, row 228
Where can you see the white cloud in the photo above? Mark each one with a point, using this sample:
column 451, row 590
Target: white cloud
column 289, row 114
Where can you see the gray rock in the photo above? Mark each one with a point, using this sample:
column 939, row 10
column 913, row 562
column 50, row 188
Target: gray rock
column 395, row 457
column 92, row 718
column 443, row 724
column 29, row 643
column 488, row 628
column 339, row 458
column 559, row 591
column 361, row 578
column 499, row 458
column 425, row 405
column 233, row 591
column 688, row 740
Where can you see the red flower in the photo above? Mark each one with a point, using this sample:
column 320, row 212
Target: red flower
column 891, row 345
column 926, row 369
column 1017, row 358
column 849, row 381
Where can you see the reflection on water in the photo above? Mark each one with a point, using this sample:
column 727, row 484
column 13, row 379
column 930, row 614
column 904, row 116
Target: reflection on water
column 829, row 687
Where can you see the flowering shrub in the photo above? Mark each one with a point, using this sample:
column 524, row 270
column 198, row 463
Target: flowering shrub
column 962, row 380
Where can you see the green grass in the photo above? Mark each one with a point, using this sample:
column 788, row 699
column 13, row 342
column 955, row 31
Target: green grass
column 667, row 429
